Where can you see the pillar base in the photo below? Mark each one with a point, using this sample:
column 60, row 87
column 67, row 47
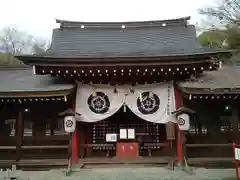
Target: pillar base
column 74, row 158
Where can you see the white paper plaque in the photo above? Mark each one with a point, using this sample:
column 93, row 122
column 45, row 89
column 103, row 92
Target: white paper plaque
column 237, row 153
column 111, row 137
column 131, row 133
column 123, row 133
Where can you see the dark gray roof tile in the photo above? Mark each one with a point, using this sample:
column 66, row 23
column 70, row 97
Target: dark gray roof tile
column 107, row 41
column 23, row 80
column 225, row 78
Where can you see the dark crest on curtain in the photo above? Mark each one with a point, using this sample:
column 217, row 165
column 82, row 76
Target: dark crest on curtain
column 148, row 103
column 99, row 103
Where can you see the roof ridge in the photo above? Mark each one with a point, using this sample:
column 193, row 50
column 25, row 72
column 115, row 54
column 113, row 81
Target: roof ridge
column 82, row 24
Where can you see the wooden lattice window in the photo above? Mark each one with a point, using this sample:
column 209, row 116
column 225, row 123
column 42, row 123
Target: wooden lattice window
column 100, row 130
column 149, row 132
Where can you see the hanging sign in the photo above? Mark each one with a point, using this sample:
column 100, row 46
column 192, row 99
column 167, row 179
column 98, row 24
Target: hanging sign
column 183, row 120
column 69, row 124
column 170, row 131
column 131, row 133
column 237, row 154
column 111, row 137
column 123, row 133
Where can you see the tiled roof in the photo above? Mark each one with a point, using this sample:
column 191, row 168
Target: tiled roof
column 225, row 78
column 149, row 38
column 16, row 80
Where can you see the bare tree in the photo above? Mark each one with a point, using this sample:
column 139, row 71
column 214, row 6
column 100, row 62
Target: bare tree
column 226, row 11
column 40, row 46
column 13, row 41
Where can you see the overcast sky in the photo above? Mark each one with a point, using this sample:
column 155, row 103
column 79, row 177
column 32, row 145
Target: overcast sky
column 38, row 16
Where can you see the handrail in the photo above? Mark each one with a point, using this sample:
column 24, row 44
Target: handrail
column 96, row 145
column 36, row 147
column 112, row 145
column 7, row 147
column 156, row 144
column 209, row 145
column 46, row 147
column 47, row 138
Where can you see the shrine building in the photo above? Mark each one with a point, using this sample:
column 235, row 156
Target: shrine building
column 129, row 90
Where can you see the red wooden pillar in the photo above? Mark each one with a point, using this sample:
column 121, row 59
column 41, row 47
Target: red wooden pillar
column 74, row 141
column 178, row 102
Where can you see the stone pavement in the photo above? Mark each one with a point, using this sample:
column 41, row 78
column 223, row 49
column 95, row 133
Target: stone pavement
column 142, row 173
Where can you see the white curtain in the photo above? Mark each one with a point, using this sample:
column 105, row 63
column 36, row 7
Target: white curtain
column 153, row 102
column 93, row 106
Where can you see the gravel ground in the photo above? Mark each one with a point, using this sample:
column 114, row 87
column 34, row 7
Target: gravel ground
column 126, row 174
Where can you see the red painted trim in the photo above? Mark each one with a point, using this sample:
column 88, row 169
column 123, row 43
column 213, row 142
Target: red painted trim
column 235, row 161
column 74, row 142
column 179, row 133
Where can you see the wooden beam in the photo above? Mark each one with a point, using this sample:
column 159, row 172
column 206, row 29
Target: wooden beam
column 147, row 63
column 209, row 91
column 51, row 59
column 36, row 94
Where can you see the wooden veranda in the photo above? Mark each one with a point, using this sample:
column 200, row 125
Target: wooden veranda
column 31, row 127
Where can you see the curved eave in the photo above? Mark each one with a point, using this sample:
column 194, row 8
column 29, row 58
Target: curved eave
column 39, row 59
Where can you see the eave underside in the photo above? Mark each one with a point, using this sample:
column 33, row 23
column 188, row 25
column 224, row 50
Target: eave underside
column 125, row 73
column 51, row 65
